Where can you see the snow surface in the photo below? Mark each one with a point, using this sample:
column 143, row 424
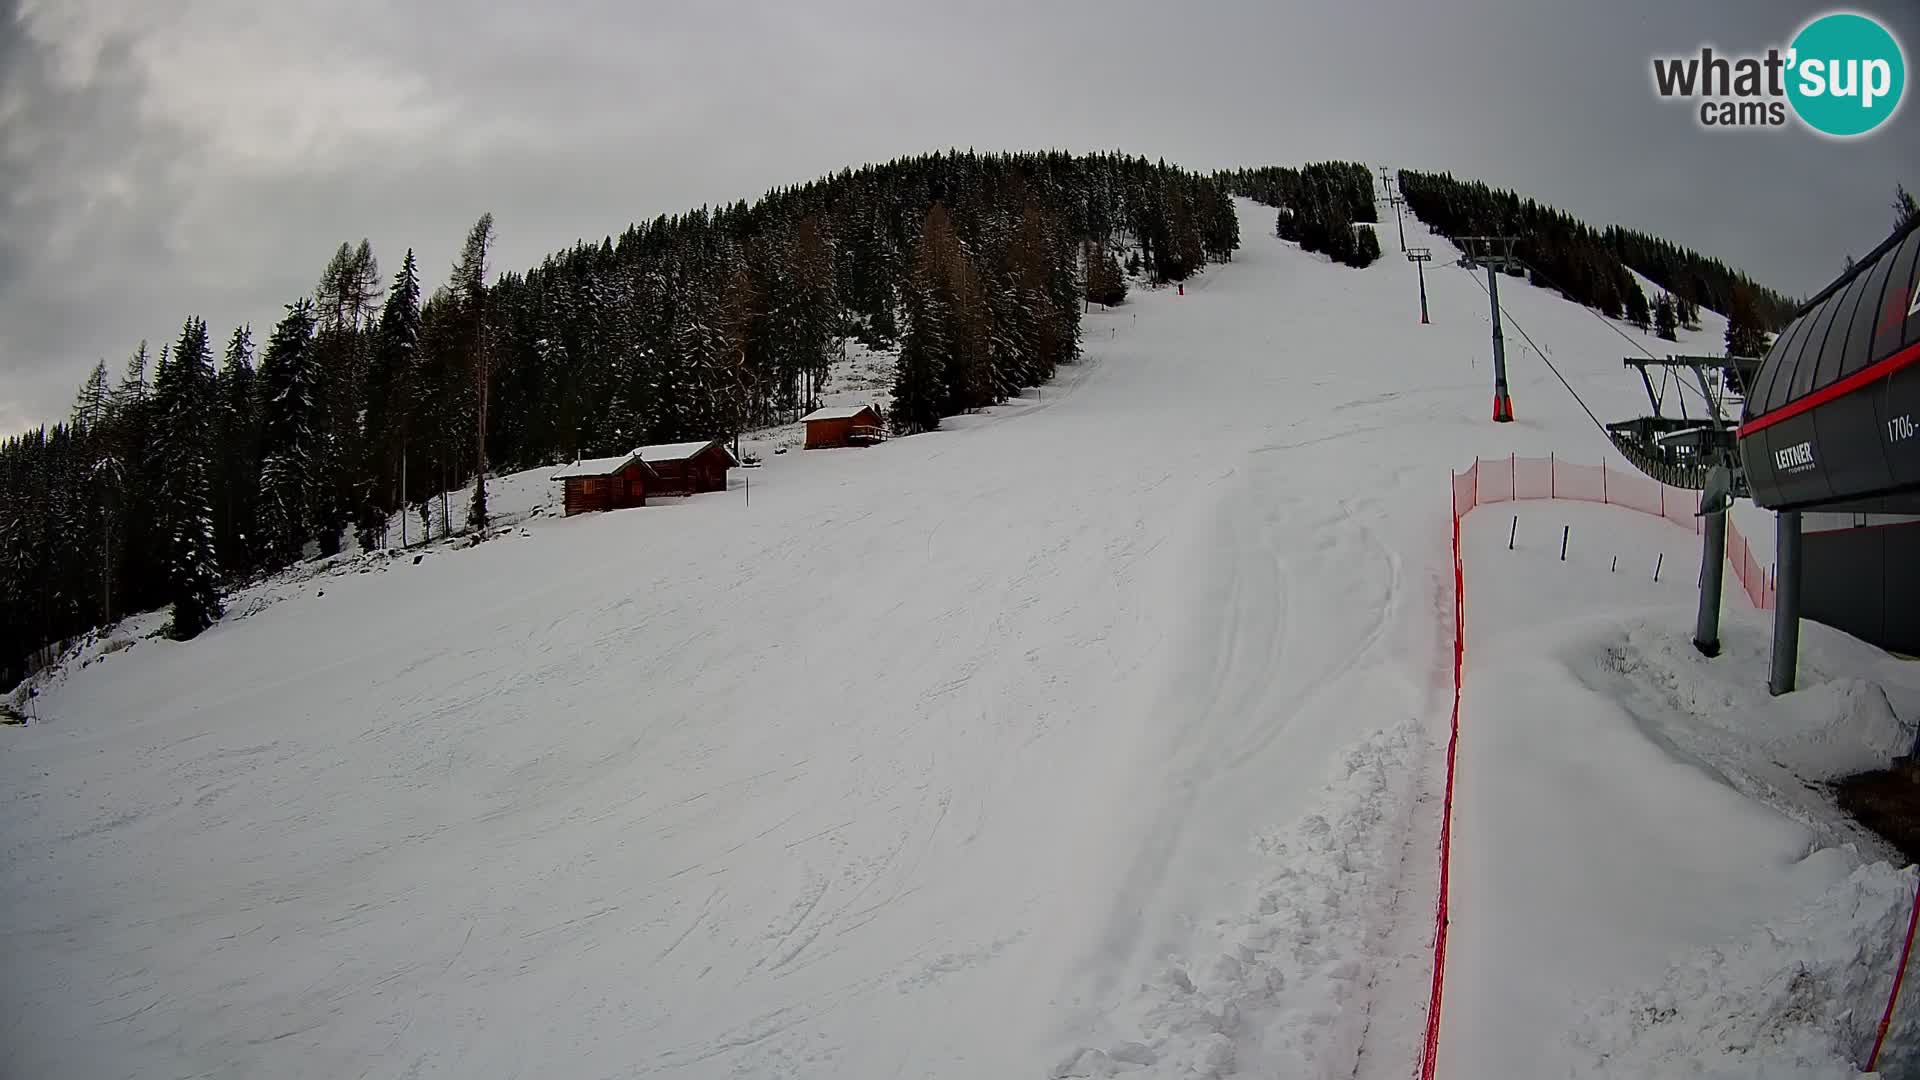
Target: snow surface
column 1799, row 999
column 1626, row 805
column 1099, row 732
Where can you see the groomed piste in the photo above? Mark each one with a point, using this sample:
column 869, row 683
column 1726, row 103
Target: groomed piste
column 1101, row 733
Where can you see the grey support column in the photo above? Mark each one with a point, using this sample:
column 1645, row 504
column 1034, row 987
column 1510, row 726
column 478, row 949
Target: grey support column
column 1786, row 610
column 1713, row 564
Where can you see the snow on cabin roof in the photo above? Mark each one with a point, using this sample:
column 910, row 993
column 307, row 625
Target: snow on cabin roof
column 679, row 451
column 836, row 412
column 605, row 466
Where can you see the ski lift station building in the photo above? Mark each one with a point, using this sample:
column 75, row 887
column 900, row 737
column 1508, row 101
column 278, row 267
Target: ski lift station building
column 1830, row 437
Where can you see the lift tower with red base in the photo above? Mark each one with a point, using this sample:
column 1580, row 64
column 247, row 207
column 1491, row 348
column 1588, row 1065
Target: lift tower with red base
column 1496, row 254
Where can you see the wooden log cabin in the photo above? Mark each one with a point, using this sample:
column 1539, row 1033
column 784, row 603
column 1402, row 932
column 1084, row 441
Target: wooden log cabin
column 608, row 483
column 842, row 425
column 687, row 468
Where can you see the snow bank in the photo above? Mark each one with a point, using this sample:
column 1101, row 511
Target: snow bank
column 1718, row 715
column 1798, row 998
column 1284, row 989
column 1626, row 801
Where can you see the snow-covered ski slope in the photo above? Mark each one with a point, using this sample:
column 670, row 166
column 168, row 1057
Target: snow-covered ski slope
column 1098, row 731
column 1625, row 804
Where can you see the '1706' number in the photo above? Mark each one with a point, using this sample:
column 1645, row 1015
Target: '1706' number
column 1900, row 427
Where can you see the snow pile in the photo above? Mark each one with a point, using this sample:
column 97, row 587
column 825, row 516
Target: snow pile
column 1835, row 725
column 1796, row 998
column 1632, row 810
column 1834, row 729
column 1285, row 989
column 1717, row 714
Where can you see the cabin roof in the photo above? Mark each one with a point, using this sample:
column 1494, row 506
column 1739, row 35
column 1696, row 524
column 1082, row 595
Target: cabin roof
column 602, row 466
column 838, row 412
column 680, row 451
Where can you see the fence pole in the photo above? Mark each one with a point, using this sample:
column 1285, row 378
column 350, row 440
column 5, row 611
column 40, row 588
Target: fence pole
column 1565, row 531
column 1512, row 531
column 1603, row 480
column 1513, row 475
column 1553, row 477
column 1657, row 563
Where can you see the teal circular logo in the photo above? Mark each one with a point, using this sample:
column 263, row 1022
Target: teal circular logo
column 1846, row 74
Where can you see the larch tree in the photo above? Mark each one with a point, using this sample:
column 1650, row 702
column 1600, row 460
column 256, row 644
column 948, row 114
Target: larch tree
column 469, row 290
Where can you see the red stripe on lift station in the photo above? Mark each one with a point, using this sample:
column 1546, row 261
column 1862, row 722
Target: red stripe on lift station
column 1865, row 376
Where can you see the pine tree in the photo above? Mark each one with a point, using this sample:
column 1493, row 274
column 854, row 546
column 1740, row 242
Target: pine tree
column 1105, row 283
column 740, row 376
column 237, row 394
column 135, row 547
column 1905, row 209
column 1664, row 320
column 1638, row 313
column 1366, row 248
column 920, row 397
column 1745, row 335
column 1687, row 311
column 815, row 312
column 183, row 460
column 469, row 290
column 292, row 412
column 390, row 374
column 344, row 304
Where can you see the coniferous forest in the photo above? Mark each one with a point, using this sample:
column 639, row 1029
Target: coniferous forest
column 383, row 390
column 380, row 392
column 1322, row 207
column 1589, row 266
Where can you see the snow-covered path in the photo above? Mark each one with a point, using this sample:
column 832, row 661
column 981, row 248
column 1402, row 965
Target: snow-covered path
column 921, row 764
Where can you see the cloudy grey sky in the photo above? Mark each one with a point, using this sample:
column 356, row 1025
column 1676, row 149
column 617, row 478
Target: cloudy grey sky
column 160, row 158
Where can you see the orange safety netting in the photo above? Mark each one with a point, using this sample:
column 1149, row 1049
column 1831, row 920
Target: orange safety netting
column 1493, row 480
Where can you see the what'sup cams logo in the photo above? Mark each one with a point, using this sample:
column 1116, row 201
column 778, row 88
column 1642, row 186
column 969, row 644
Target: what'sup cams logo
column 1843, row 75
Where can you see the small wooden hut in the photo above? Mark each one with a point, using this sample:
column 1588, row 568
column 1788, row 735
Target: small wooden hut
column 843, row 425
column 608, row 483
column 687, row 468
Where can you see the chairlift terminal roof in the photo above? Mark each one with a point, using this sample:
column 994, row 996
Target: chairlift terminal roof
column 1833, row 417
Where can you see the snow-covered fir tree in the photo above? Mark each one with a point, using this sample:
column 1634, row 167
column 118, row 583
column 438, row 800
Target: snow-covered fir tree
column 183, row 459
column 292, row 437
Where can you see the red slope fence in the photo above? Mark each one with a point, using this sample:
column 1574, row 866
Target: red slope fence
column 1514, row 478
column 1496, row 480
column 1430, row 1052
column 1893, row 995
